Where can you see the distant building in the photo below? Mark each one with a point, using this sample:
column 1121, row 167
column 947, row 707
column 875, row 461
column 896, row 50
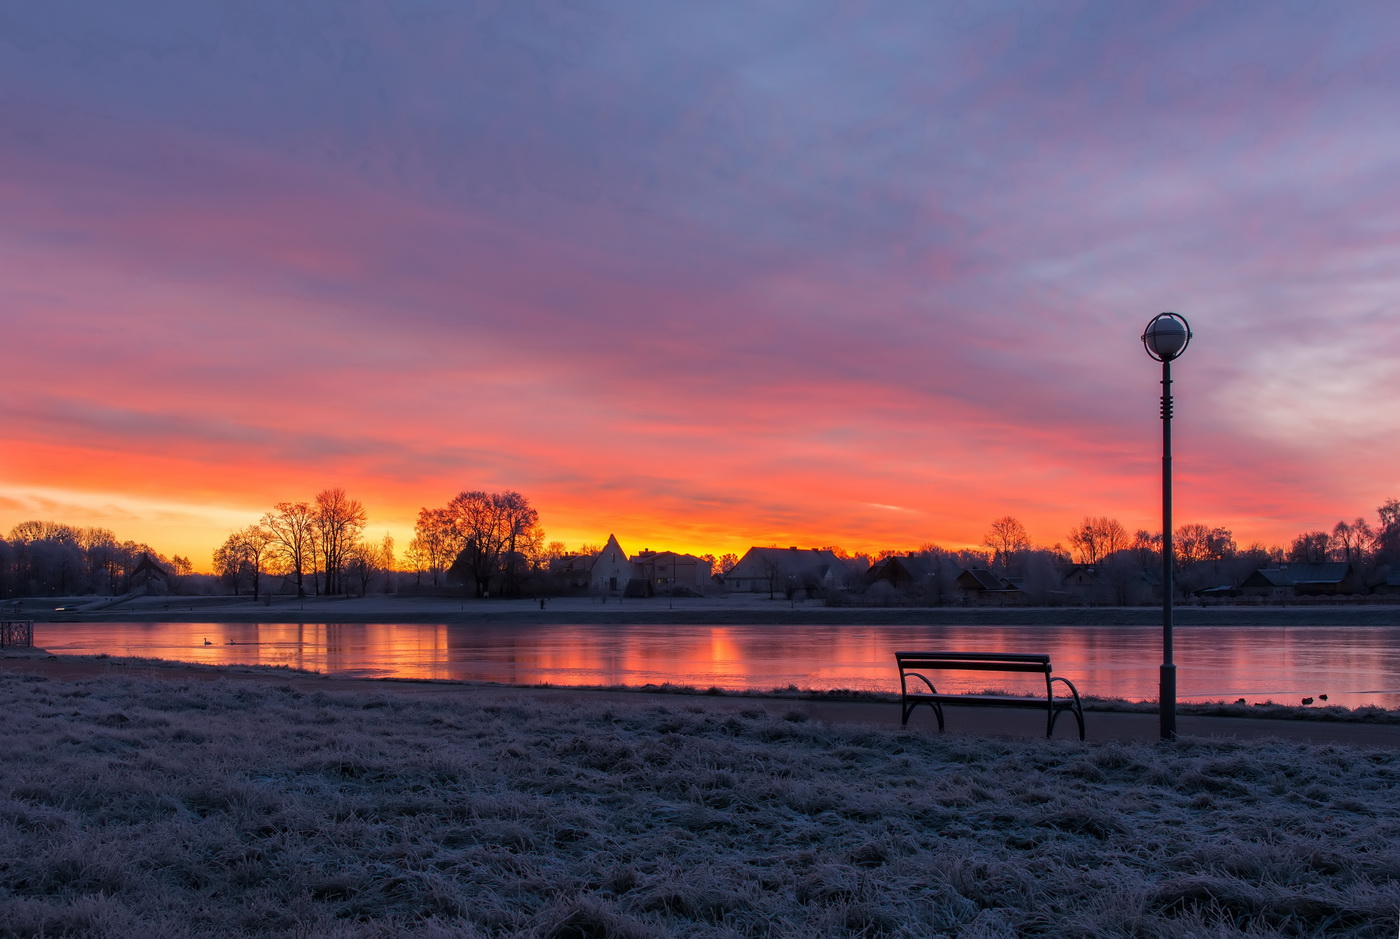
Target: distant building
column 901, row 571
column 669, row 571
column 787, row 571
column 1327, row 578
column 612, row 571
column 984, row 587
column 572, row 572
column 148, row 577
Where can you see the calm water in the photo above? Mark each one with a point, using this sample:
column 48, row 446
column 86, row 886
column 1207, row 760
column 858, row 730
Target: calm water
column 1351, row 665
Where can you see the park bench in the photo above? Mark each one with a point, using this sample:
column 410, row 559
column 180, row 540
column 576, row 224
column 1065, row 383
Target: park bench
column 918, row 665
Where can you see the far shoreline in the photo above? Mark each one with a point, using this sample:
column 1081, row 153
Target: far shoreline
column 747, row 610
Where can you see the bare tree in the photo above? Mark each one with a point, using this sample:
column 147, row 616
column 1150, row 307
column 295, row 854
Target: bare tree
column 1147, row 548
column 337, row 522
column 45, row 531
column 1096, row 538
column 290, row 527
column 489, row 534
column 1006, row 538
column 1310, row 547
column 230, row 563
column 254, row 542
column 1387, row 533
column 520, row 524
column 434, row 543
column 1195, row 542
column 1351, row 541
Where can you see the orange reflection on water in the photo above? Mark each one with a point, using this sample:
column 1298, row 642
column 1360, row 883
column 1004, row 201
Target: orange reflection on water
column 1352, row 665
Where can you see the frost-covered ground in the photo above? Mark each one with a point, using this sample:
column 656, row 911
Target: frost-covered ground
column 139, row 807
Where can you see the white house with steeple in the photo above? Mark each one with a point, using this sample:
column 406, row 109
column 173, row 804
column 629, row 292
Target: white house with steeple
column 611, row 569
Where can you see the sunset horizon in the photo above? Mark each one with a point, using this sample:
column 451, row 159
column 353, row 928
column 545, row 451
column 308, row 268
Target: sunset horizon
column 830, row 275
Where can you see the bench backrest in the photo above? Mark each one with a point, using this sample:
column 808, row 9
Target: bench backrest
column 979, row 661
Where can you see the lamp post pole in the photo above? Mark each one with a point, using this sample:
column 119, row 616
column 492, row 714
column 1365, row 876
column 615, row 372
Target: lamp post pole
column 1167, row 695
column 1166, row 337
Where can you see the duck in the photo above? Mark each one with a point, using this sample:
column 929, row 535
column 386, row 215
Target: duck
column 1307, row 701
column 208, row 643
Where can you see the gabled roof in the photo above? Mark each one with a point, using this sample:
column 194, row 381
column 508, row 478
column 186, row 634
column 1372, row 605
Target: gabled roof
column 1268, row 577
column 795, row 561
column 979, row 578
column 1321, row 572
column 1327, row 572
column 901, row 566
column 148, row 565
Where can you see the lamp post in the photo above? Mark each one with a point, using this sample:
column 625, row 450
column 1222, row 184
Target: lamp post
column 1165, row 338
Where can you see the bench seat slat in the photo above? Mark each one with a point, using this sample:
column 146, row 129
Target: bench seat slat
column 992, row 656
column 993, row 700
column 974, row 664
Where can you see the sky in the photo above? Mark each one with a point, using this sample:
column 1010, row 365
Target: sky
column 703, row 276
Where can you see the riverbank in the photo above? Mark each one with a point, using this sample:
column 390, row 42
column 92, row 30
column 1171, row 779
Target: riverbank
column 1108, row 720
column 732, row 609
column 272, row 804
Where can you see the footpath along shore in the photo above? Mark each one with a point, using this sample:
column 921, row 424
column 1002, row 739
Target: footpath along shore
column 1102, row 725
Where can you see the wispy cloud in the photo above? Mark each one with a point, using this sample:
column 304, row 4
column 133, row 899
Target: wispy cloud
column 703, row 275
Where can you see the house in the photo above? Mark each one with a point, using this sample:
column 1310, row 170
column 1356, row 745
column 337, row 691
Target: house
column 1082, row 583
column 1389, row 584
column 788, row 571
column 148, row 577
column 982, row 586
column 901, row 571
column 572, row 572
column 671, row 572
column 1326, row 578
column 612, row 572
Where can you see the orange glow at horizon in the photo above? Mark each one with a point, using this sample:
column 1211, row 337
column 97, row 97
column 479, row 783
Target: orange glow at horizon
column 689, row 308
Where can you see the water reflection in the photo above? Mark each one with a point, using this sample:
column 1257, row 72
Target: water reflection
column 1352, row 665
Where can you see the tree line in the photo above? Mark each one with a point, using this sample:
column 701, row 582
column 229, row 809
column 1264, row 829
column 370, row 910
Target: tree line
column 317, row 546
column 50, row 559
column 1204, row 555
column 494, row 543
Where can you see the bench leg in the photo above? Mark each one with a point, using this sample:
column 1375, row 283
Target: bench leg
column 907, row 710
column 1055, row 713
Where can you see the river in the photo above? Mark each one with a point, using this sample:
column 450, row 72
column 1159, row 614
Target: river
column 1352, row 665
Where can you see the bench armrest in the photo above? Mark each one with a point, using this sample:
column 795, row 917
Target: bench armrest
column 904, row 678
column 1074, row 692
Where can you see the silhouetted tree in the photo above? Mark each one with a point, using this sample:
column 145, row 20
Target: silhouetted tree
column 1387, row 533
column 1351, row 542
column 490, row 534
column 289, row 524
column 337, row 521
column 1096, row 538
column 1006, row 538
column 434, row 546
column 1310, row 547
